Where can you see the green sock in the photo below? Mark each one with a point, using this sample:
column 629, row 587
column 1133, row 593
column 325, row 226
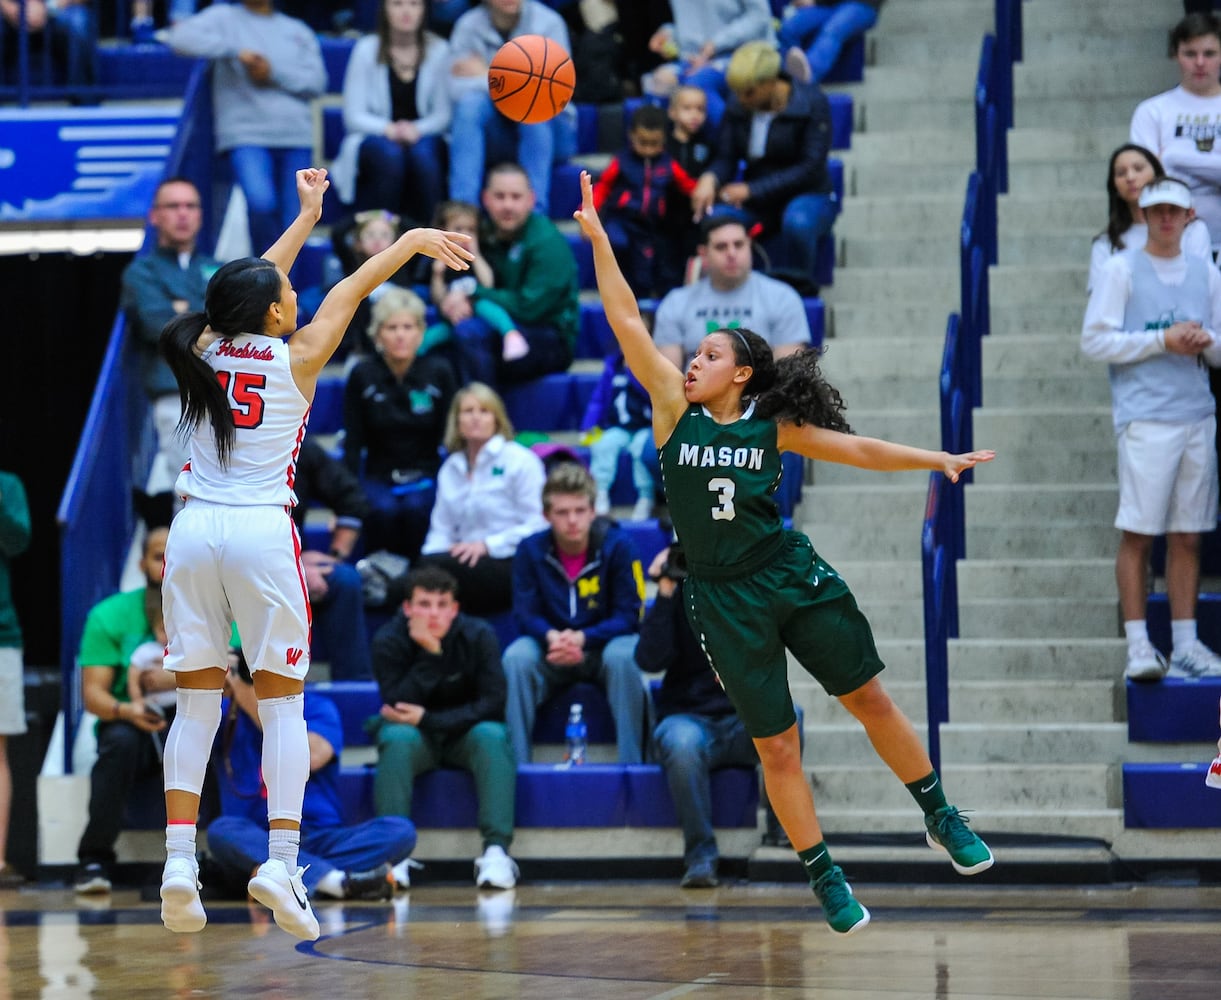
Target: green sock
column 817, row 861
column 928, row 793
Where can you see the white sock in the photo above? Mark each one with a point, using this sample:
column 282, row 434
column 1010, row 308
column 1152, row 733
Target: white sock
column 331, row 884
column 189, row 742
column 283, row 845
column 180, row 841
column 1183, row 633
column 1137, row 632
column 285, row 755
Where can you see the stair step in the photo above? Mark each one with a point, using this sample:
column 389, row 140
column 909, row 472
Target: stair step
column 1037, row 659
column 1033, row 743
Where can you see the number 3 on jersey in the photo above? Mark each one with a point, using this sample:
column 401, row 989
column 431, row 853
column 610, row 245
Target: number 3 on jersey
column 245, row 399
column 724, row 490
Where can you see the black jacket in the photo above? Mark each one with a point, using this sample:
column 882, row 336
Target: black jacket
column 325, row 480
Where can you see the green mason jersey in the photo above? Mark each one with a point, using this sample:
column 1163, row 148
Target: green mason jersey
column 719, row 481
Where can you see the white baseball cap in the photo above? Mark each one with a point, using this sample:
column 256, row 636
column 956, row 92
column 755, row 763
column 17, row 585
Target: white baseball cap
column 1165, row 191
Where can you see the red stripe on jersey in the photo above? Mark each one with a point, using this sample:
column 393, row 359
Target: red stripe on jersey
column 292, row 459
column 309, row 611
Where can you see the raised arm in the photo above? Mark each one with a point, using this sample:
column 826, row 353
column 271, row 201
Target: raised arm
column 662, row 381
column 872, row 453
column 311, row 186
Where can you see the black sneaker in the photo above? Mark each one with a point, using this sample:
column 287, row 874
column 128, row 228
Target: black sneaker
column 377, row 883
column 92, row 880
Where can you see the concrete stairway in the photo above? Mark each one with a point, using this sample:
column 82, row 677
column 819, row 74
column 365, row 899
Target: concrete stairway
column 1036, row 732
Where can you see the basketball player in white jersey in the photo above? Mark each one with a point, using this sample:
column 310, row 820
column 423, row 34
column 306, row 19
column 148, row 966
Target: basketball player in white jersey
column 233, row 552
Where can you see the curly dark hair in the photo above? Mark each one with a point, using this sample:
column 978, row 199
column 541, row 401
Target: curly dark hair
column 799, row 394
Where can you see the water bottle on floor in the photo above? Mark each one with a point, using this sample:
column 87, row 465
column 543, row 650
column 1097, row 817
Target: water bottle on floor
column 575, row 733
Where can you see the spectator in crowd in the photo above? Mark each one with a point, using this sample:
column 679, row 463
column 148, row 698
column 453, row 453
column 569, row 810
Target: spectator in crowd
column 633, row 193
column 536, row 284
column 1131, row 168
column 342, row 861
column 698, row 42
column 463, row 217
column 577, row 595
column 396, row 112
column 332, row 582
column 65, row 33
column 621, row 417
column 128, row 731
column 157, row 286
column 443, row 703
column 690, row 142
column 395, row 405
column 729, row 294
column 814, row 34
column 489, row 497
column 1152, row 317
column 267, row 67
column 14, row 540
column 1181, row 126
column 782, row 130
column 481, row 135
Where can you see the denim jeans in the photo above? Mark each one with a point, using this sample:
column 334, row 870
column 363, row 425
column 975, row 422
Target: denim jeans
column 268, row 179
column 480, row 346
column 689, row 747
column 532, row 680
column 806, row 218
column 339, row 622
column 824, row 31
column 398, row 515
column 404, row 179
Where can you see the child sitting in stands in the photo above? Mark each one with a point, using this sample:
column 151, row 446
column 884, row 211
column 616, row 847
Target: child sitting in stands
column 621, row 416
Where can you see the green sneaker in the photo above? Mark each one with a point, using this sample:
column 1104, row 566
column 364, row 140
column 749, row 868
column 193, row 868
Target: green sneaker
column 947, row 831
column 840, row 907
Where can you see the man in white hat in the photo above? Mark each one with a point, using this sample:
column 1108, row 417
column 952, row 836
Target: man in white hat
column 1154, row 316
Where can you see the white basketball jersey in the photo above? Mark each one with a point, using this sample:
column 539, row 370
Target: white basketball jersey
column 270, row 414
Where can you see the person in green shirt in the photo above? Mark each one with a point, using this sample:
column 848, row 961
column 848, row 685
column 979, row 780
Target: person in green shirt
column 119, row 628
column 753, row 586
column 14, row 539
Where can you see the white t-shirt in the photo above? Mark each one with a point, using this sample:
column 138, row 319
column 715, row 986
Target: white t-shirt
column 1196, row 242
column 1182, row 130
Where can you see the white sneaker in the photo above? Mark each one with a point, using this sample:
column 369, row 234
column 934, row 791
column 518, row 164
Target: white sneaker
column 797, row 65
column 1213, row 778
column 284, row 894
column 495, row 870
column 402, row 872
column 1145, row 663
column 1197, row 660
column 181, row 908
column 643, row 509
column 602, row 504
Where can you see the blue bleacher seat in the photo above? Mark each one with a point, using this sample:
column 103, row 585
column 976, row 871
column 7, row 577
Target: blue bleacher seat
column 850, row 66
column 1210, row 554
column 583, row 252
column 335, row 53
column 326, row 415
column 587, row 128
column 541, row 404
column 147, row 70
column 1208, row 618
column 565, row 190
column 1174, row 710
column 332, row 131
column 1169, row 796
column 307, row 271
column 648, row 538
column 735, row 797
column 356, row 702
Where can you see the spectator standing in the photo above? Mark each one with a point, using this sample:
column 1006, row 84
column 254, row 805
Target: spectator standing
column 1152, row 317
column 157, row 286
column 396, row 111
column 14, row 540
column 443, row 703
column 1131, row 168
column 480, row 134
column 489, row 497
column 731, row 294
column 577, row 595
column 66, row 32
column 633, row 192
column 536, row 284
column 782, row 130
column 814, row 33
column 395, row 406
column 1181, row 126
column 342, row 861
column 334, row 586
column 128, row 732
column 267, row 68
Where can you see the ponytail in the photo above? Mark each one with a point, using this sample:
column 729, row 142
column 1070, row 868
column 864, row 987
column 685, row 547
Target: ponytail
column 800, row 395
column 199, row 390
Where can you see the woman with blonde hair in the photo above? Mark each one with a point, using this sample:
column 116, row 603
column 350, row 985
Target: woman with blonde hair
column 394, row 408
column 489, row 497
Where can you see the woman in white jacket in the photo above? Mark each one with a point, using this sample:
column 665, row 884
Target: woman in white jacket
column 396, row 112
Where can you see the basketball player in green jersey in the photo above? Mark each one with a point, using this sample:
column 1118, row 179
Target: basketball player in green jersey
column 754, row 588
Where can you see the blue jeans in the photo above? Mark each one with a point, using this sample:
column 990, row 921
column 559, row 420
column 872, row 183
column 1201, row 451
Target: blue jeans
column 240, row 844
column 398, row 515
column 268, row 179
column 824, row 31
column 689, row 747
column 532, row 680
column 339, row 622
column 480, row 349
column 481, row 137
column 408, row 180
column 805, row 219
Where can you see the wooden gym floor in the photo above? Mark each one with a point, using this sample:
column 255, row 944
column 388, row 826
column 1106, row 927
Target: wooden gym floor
column 633, row 941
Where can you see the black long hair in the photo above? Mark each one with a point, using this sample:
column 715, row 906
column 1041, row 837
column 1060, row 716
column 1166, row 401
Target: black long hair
column 792, row 388
column 1119, row 212
column 236, row 302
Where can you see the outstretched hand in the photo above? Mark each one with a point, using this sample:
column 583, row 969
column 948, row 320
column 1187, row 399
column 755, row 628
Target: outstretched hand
column 956, row 464
column 311, row 186
column 587, row 216
column 449, row 248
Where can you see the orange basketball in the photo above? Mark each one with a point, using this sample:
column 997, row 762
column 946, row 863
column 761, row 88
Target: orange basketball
column 531, row 79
